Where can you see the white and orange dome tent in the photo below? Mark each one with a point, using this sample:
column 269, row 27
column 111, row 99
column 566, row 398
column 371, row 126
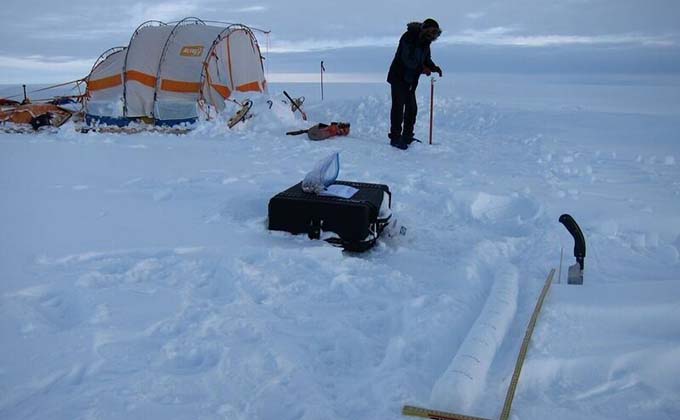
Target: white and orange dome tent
column 169, row 72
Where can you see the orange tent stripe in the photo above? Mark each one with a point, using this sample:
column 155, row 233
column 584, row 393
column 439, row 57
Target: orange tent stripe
column 105, row 82
column 179, row 86
column 143, row 78
column 249, row 87
column 222, row 90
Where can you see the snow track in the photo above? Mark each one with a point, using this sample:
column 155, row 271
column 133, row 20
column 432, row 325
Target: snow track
column 463, row 381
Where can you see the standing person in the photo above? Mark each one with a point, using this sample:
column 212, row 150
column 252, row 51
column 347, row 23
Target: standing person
column 410, row 61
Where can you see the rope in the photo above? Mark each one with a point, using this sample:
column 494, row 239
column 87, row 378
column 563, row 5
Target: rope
column 77, row 82
column 232, row 23
column 58, row 85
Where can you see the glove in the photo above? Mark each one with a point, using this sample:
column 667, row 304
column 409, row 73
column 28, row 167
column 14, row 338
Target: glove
column 436, row 69
column 427, row 71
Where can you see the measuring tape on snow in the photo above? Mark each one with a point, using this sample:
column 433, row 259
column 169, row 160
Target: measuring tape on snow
column 505, row 413
column 409, row 410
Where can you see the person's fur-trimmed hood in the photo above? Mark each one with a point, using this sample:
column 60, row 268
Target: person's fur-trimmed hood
column 414, row 26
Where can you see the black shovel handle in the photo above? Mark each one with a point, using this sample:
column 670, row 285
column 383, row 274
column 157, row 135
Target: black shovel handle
column 579, row 239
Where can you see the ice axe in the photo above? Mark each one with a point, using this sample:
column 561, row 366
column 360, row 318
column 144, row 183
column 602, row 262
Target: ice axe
column 432, row 80
column 295, row 105
column 575, row 274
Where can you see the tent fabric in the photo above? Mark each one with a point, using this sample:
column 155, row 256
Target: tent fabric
column 167, row 69
column 236, row 75
column 105, row 85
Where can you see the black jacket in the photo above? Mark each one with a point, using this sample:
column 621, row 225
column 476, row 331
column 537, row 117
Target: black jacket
column 411, row 57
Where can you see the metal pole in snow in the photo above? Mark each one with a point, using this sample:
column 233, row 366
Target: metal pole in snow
column 431, row 106
column 322, row 70
column 559, row 273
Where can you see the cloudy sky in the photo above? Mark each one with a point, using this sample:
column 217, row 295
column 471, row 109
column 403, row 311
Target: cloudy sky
column 49, row 41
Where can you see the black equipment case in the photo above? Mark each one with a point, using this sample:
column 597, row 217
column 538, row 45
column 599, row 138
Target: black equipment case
column 357, row 220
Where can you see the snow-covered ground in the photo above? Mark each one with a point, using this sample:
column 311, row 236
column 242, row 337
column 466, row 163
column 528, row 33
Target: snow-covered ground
column 138, row 279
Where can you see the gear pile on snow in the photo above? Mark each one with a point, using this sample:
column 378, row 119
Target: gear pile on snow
column 35, row 115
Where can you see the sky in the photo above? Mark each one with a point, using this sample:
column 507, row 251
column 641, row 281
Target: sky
column 52, row 41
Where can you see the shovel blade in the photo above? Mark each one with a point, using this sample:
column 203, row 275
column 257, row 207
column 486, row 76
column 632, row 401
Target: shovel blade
column 575, row 275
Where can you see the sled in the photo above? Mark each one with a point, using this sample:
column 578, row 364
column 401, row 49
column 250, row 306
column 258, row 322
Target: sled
column 134, row 129
column 34, row 116
column 357, row 221
column 7, row 104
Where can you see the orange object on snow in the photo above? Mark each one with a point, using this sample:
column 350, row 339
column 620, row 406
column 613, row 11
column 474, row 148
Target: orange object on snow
column 323, row 131
column 36, row 115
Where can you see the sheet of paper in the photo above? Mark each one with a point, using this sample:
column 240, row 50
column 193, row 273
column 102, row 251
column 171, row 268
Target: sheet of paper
column 337, row 190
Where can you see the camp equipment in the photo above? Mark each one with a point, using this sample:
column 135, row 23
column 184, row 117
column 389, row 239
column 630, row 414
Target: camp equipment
column 296, row 132
column 323, row 69
column 323, row 131
column 242, row 114
column 34, row 116
column 353, row 223
column 431, row 105
column 8, row 103
column 575, row 273
column 168, row 73
column 296, row 104
column 323, row 175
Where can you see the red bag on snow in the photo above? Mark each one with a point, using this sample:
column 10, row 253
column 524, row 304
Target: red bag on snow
column 323, row 131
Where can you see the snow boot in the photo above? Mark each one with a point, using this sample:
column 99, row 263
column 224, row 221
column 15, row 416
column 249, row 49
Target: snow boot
column 398, row 144
column 397, row 141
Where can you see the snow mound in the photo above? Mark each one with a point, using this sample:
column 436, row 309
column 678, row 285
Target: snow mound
column 498, row 208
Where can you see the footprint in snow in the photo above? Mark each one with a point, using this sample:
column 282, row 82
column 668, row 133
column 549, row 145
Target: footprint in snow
column 45, row 307
column 187, row 359
column 127, row 356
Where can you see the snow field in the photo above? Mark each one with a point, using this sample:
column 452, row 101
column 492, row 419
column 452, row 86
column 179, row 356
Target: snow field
column 140, row 281
column 631, row 369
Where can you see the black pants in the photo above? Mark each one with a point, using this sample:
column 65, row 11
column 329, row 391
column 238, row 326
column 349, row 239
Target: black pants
column 404, row 110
